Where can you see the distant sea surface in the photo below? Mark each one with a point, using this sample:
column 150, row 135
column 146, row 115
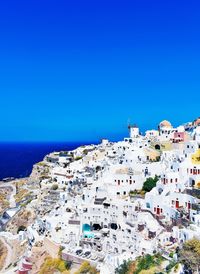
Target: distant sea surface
column 17, row 159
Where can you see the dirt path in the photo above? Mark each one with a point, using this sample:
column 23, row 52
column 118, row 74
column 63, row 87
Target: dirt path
column 9, row 255
column 11, row 199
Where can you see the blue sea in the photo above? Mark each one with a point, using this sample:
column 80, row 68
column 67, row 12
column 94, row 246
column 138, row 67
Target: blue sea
column 17, row 159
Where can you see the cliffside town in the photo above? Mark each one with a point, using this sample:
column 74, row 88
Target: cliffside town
column 106, row 203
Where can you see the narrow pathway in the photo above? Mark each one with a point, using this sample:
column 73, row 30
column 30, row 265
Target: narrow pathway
column 11, row 199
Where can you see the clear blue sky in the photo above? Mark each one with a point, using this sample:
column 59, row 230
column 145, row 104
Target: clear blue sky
column 78, row 70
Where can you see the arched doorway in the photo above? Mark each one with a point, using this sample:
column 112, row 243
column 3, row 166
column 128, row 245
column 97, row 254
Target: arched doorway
column 113, row 226
column 191, row 182
column 157, row 147
column 96, row 227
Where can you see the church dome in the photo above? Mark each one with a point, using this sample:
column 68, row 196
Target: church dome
column 165, row 123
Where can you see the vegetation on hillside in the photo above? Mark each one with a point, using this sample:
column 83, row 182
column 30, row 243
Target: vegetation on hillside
column 21, row 195
column 189, row 255
column 51, row 265
column 77, row 158
column 151, row 263
column 3, row 254
column 4, row 203
column 124, row 268
column 136, row 192
column 86, row 268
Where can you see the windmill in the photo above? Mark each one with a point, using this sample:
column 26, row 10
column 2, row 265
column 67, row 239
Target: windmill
column 133, row 130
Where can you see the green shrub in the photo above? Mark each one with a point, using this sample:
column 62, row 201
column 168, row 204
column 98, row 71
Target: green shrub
column 150, row 183
column 77, row 158
column 86, row 268
column 123, row 268
column 54, row 187
column 170, row 266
